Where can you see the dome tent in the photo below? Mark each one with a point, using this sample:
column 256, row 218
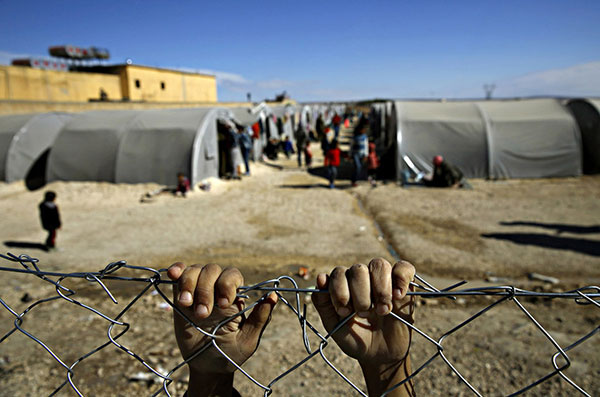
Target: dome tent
column 535, row 138
column 587, row 115
column 158, row 144
column 453, row 129
column 86, row 148
column 496, row 139
column 9, row 126
column 26, row 140
column 137, row 146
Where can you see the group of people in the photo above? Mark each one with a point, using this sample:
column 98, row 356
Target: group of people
column 235, row 147
column 362, row 154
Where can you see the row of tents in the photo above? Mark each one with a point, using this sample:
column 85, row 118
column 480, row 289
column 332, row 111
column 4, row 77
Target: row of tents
column 133, row 146
column 495, row 139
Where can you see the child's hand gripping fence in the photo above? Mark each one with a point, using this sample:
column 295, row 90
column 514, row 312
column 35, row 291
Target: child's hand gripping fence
column 153, row 280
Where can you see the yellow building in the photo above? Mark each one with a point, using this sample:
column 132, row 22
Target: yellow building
column 142, row 83
column 131, row 83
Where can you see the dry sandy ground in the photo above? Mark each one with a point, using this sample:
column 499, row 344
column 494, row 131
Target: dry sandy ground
column 271, row 223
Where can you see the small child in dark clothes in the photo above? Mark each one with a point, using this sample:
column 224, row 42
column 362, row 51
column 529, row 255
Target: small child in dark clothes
column 50, row 217
column 183, row 185
column 288, row 148
column 332, row 161
column 372, row 164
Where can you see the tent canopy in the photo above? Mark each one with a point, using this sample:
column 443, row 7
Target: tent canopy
column 531, row 139
column 9, row 127
column 244, row 115
column 158, row 144
column 33, row 140
column 138, row 146
column 454, row 130
column 496, row 139
column 86, row 148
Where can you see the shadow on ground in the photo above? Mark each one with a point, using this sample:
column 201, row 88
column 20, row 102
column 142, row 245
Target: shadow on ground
column 557, row 227
column 583, row 246
column 316, row 186
column 26, row 244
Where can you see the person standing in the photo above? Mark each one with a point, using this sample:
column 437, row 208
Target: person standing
column 301, row 140
column 50, row 218
column 332, row 161
column 235, row 152
column 360, row 151
column 245, row 147
column 372, row 164
column 336, row 121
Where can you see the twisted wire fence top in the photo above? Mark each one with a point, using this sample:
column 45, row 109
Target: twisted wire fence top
column 289, row 293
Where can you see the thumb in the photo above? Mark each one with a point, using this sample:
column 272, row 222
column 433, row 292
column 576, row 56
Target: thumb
column 323, row 304
column 256, row 322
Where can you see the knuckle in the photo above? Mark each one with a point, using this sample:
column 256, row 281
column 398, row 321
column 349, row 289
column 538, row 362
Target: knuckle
column 341, row 299
column 226, row 285
column 382, row 297
column 203, row 294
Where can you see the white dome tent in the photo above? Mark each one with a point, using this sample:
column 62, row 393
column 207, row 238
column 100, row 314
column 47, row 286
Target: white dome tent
column 138, row 146
column 86, row 148
column 24, row 142
column 159, row 144
column 534, row 138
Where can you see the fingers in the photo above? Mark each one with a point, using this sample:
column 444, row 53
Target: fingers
column 323, row 304
column 340, row 291
column 258, row 320
column 380, row 272
column 363, row 289
column 403, row 273
column 360, row 288
column 199, row 286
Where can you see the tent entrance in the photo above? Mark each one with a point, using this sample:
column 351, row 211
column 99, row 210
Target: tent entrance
column 36, row 176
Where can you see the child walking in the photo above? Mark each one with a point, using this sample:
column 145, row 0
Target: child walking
column 332, row 161
column 50, row 218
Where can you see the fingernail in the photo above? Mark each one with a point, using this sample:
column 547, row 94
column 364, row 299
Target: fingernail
column 382, row 309
column 185, row 297
column 201, row 311
column 223, row 302
column 397, row 293
column 343, row 311
column 363, row 314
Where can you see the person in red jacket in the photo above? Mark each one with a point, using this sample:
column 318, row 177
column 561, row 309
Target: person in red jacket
column 332, row 161
column 336, row 121
column 372, row 164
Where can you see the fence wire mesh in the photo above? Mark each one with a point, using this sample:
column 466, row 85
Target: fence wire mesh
column 289, row 293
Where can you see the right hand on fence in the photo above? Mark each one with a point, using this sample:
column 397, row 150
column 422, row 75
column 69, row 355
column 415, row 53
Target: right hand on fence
column 207, row 295
column 377, row 340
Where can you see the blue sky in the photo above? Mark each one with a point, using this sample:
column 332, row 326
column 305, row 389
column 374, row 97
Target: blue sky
column 333, row 50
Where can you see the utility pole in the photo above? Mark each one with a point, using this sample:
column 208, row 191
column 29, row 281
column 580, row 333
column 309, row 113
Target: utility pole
column 489, row 90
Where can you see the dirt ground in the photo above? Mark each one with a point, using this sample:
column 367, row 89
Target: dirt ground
column 281, row 218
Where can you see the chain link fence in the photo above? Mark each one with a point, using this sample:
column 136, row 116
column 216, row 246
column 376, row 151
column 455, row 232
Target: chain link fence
column 154, row 281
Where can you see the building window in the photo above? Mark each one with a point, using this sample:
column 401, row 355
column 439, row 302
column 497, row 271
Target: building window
column 137, row 83
column 162, row 85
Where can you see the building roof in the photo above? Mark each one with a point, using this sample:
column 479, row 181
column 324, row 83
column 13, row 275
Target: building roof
column 116, row 68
